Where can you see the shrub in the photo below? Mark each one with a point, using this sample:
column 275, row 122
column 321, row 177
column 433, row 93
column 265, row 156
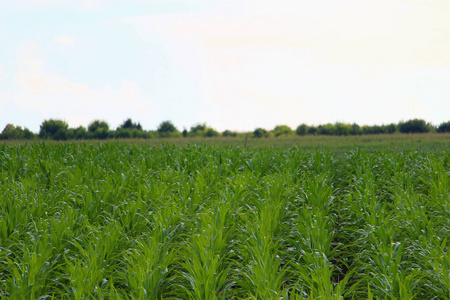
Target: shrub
column 54, row 129
column 327, row 129
column 414, row 126
column 166, row 128
column 128, row 124
column 282, row 130
column 302, row 129
column 444, row 127
column 259, row 133
column 229, row 133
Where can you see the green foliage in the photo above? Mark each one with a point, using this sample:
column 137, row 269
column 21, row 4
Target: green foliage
column 327, row 129
column 98, row 125
column 229, row 133
column 166, row 128
column 54, row 129
column 260, row 132
column 77, row 133
column 280, row 130
column 302, row 129
column 128, row 124
column 444, row 127
column 210, row 132
column 202, row 130
column 98, row 130
column 11, row 132
column 117, row 221
column 415, row 126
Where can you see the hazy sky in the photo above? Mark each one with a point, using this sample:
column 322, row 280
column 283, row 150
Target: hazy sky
column 232, row 64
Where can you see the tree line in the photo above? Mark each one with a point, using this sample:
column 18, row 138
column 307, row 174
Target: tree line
column 54, row 129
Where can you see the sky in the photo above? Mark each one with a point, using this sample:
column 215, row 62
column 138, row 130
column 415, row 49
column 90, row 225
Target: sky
column 233, row 64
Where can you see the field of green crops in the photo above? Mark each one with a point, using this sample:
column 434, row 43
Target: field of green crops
column 118, row 221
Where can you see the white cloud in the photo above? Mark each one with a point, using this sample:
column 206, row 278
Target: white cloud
column 52, row 95
column 65, row 40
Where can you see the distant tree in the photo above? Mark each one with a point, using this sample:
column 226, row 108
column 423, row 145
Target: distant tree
column 198, row 129
column 415, row 126
column 11, row 132
column 28, row 134
column 98, row 129
column 229, row 133
column 302, row 129
column 166, row 128
column 184, row 133
column 54, row 129
column 128, row 124
column 77, row 133
column 390, row 128
column 312, row 130
column 282, row 130
column 98, row 124
column 343, row 128
column 260, row 132
column 356, row 130
column 210, row 132
column 327, row 129
column 444, row 127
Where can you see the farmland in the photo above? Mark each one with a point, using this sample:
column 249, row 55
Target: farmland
column 123, row 221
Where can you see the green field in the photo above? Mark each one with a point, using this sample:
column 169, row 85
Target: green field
column 123, row 221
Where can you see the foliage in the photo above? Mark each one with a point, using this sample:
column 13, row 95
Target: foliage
column 229, row 133
column 77, row 133
column 98, row 129
column 202, row 130
column 327, row 129
column 117, row 221
column 444, row 127
column 128, row 124
column 415, row 126
column 166, row 128
column 280, row 130
column 210, row 132
column 260, row 132
column 54, row 129
column 302, row 129
column 11, row 132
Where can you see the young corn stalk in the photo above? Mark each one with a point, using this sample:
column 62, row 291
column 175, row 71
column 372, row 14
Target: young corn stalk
column 204, row 267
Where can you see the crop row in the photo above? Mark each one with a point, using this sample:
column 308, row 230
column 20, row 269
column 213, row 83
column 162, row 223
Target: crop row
column 116, row 221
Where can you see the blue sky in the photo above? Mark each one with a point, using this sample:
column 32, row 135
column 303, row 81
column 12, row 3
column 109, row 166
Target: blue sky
column 232, row 64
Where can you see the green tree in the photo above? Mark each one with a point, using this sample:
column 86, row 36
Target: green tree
column 260, row 132
column 54, row 129
column 229, row 133
column 77, row 133
column 356, row 130
column 444, row 127
column 210, row 132
column 166, row 129
column 11, row 132
column 280, row 130
column 327, row 129
column 302, row 129
column 343, row 128
column 198, row 129
column 129, row 124
column 98, row 129
column 415, row 126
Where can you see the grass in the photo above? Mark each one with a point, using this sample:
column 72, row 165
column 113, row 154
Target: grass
column 137, row 221
column 340, row 144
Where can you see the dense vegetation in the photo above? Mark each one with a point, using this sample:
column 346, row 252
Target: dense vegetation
column 117, row 221
column 59, row 130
